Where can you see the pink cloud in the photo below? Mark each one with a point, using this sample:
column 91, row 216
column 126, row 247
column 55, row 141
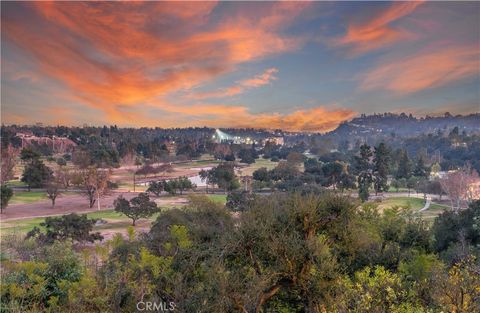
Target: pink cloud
column 259, row 80
column 113, row 55
column 377, row 31
column 428, row 68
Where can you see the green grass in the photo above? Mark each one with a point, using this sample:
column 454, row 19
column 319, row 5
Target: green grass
column 393, row 190
column 116, row 220
column 28, row 197
column 16, row 183
column 21, row 197
column 433, row 211
column 260, row 162
column 218, row 198
column 197, row 163
column 404, row 202
column 20, row 226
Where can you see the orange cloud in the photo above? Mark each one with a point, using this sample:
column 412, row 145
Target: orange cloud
column 319, row 119
column 113, row 55
column 428, row 69
column 125, row 58
column 377, row 32
column 259, row 80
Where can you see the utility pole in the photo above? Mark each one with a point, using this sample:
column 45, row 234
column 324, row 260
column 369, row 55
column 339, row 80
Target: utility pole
column 98, row 200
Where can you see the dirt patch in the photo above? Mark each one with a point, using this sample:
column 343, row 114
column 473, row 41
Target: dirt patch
column 73, row 204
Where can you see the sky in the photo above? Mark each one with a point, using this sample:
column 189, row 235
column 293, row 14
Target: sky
column 298, row 66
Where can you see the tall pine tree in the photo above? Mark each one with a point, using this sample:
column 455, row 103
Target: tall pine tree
column 420, row 169
column 364, row 169
column 404, row 167
column 381, row 163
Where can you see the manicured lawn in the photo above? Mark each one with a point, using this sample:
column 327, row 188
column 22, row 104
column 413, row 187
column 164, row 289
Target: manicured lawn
column 260, row 162
column 218, row 198
column 404, row 202
column 20, row 197
column 28, row 197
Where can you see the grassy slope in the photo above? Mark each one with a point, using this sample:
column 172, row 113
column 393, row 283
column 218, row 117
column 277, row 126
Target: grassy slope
column 260, row 162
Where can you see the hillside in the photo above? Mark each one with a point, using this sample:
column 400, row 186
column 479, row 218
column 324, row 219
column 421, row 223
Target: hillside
column 389, row 124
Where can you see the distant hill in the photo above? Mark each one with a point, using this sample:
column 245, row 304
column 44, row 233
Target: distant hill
column 403, row 125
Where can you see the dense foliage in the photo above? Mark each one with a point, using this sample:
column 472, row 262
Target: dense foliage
column 283, row 253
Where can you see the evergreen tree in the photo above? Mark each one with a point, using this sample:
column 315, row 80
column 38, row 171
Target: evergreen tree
column 404, row 168
column 364, row 168
column 36, row 174
column 6, row 195
column 420, row 169
column 138, row 207
column 381, row 162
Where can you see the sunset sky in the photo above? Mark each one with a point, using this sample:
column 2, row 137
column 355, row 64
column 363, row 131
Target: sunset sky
column 291, row 65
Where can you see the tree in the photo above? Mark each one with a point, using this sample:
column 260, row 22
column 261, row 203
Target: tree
column 93, row 183
column 156, row 187
column 27, row 155
column 265, row 262
column 364, row 168
column 64, row 176
column 261, row 174
column 436, row 168
column 145, row 170
column 36, row 174
column 396, row 184
column 381, row 162
column 420, row 169
column 224, row 176
column 185, row 184
column 460, row 185
column 404, row 168
column 411, row 183
column 204, row 176
column 435, row 187
column 6, row 195
column 457, row 228
column 458, row 290
column 8, row 162
column 295, row 158
column 346, row 181
column 247, row 156
column 53, row 190
column 71, row 226
column 371, row 290
column 239, row 201
column 333, row 172
column 136, row 208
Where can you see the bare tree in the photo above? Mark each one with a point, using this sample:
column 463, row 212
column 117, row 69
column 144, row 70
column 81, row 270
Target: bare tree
column 53, row 190
column 94, row 183
column 461, row 185
column 8, row 161
column 64, row 176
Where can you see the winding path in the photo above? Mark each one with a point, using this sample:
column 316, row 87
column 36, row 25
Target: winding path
column 427, row 204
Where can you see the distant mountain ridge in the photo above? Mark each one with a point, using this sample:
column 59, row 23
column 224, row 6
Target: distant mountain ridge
column 403, row 125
